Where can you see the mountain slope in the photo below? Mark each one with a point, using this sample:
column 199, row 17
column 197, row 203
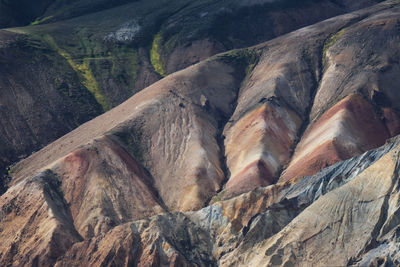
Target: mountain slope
column 104, row 52
column 22, row 12
column 197, row 148
column 201, row 102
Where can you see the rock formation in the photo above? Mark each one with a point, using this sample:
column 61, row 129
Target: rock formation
column 285, row 153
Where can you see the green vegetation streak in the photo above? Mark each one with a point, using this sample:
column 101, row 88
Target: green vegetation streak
column 155, row 56
column 330, row 42
column 82, row 68
column 40, row 21
column 245, row 58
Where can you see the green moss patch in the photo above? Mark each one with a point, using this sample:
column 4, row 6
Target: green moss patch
column 330, row 42
column 245, row 59
column 155, row 55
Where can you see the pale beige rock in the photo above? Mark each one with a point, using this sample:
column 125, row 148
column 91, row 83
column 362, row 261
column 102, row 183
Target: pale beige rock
column 337, row 227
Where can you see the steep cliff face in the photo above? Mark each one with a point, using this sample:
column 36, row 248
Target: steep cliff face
column 281, row 154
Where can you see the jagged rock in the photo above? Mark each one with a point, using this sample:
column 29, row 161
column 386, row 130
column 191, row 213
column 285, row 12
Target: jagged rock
column 165, row 240
column 337, row 227
column 36, row 224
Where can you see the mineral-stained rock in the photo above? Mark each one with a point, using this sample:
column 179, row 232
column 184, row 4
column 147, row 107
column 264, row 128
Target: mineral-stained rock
column 359, row 58
column 175, row 122
column 258, row 145
column 187, row 172
column 87, row 56
column 289, row 201
column 349, row 128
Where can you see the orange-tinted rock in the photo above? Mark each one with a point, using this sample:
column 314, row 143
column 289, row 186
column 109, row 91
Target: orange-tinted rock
column 258, row 145
column 349, row 128
column 254, row 175
column 239, row 210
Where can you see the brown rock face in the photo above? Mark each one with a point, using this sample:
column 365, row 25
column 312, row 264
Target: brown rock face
column 173, row 123
column 36, row 223
column 392, row 121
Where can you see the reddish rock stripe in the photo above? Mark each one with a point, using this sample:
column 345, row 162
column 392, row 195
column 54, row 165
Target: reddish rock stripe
column 257, row 146
column 349, row 128
column 252, row 176
column 320, row 158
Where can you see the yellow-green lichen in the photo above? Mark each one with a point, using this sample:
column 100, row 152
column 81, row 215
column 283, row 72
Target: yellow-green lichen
column 245, row 58
column 155, row 56
column 84, row 70
column 40, row 21
column 10, row 170
column 330, row 42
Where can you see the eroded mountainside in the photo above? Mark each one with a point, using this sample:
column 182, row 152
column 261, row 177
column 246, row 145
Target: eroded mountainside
column 281, row 154
column 80, row 58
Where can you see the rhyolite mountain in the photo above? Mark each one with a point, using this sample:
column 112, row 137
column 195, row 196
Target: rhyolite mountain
column 281, row 152
column 74, row 60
